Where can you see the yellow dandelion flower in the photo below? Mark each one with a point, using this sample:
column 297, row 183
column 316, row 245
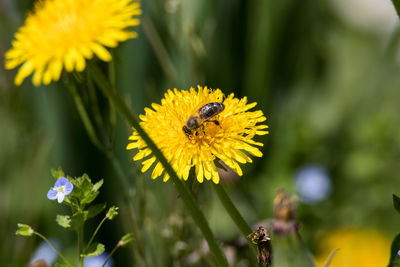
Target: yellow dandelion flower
column 228, row 136
column 63, row 33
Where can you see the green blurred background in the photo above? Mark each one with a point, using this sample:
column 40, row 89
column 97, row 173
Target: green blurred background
column 325, row 73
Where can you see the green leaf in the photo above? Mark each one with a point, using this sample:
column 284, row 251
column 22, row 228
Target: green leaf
column 89, row 197
column 84, row 191
column 394, row 257
column 96, row 249
column 95, row 209
column 126, row 239
column 64, row 221
column 97, row 185
column 396, row 202
column 24, row 230
column 112, row 212
column 57, row 173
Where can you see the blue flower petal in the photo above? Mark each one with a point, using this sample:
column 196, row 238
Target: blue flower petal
column 68, row 188
column 52, row 194
column 61, row 182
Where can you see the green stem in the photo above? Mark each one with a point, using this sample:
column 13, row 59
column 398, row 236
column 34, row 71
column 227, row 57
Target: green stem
column 56, row 250
column 84, row 116
column 94, row 233
column 244, row 228
column 184, row 193
column 159, row 49
column 94, row 102
column 396, row 4
column 111, row 253
column 113, row 113
column 80, row 245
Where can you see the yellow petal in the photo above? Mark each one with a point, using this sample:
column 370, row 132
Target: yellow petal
column 147, row 164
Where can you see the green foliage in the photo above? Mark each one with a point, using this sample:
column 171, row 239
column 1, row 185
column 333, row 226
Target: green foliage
column 57, row 173
column 95, row 250
column 24, row 230
column 94, row 210
column 84, row 191
column 64, row 221
column 82, row 195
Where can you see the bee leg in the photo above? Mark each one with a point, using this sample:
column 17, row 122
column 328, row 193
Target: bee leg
column 186, row 130
column 215, row 122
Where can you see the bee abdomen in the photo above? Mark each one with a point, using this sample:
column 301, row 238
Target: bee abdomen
column 210, row 110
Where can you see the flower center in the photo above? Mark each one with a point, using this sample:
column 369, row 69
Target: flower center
column 60, row 189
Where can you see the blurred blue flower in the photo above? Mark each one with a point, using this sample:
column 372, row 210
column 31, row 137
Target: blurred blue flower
column 46, row 252
column 61, row 189
column 398, row 252
column 313, row 184
column 98, row 261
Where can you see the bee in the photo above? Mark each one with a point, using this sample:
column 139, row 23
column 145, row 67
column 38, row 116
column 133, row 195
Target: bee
column 206, row 113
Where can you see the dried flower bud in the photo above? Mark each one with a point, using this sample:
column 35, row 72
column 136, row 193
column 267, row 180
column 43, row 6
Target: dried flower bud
column 261, row 238
column 284, row 207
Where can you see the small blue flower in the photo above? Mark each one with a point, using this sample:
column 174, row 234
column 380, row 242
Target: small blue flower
column 61, row 189
column 313, row 183
column 398, row 252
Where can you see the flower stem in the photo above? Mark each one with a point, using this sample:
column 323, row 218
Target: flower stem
column 244, row 228
column 80, row 244
column 84, row 116
column 56, row 250
column 94, row 233
column 184, row 193
column 111, row 253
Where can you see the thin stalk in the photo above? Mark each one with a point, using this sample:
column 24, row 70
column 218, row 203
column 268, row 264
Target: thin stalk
column 184, row 193
column 84, row 116
column 159, row 49
column 111, row 253
column 56, row 250
column 94, row 102
column 244, row 228
column 113, row 113
column 94, row 233
column 80, row 245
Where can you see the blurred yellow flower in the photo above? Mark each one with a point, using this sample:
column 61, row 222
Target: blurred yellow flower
column 63, row 33
column 357, row 247
column 228, row 136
